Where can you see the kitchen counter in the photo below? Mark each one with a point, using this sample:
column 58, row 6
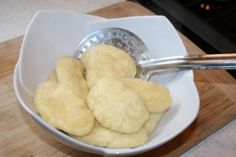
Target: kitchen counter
column 14, row 18
column 15, row 15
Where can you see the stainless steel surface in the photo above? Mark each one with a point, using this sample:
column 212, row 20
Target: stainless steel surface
column 120, row 38
column 177, row 63
column 147, row 66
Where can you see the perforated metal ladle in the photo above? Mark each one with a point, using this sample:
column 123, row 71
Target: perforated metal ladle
column 147, row 66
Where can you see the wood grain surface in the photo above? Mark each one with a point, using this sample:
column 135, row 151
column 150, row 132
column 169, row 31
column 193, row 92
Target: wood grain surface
column 20, row 136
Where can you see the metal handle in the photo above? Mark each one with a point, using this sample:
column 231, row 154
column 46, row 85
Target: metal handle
column 202, row 62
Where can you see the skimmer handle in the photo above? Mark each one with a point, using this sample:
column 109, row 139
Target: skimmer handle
column 200, row 62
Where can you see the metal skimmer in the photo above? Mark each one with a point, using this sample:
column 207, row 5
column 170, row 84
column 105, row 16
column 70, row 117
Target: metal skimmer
column 146, row 66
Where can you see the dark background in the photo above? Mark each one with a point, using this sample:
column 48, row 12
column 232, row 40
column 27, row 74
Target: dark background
column 211, row 24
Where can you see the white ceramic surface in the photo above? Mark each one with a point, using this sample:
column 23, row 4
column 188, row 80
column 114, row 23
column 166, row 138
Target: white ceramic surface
column 54, row 34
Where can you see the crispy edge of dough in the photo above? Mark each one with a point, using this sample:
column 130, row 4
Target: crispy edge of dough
column 152, row 100
column 53, row 77
column 104, row 137
column 152, row 122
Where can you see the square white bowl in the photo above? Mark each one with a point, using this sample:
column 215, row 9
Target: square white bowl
column 53, row 34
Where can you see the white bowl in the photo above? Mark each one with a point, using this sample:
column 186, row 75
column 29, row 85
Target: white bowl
column 52, row 34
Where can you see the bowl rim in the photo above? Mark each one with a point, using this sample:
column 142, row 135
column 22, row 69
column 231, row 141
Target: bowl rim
column 86, row 147
column 73, row 142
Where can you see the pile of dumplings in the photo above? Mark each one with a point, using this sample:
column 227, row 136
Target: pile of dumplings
column 99, row 101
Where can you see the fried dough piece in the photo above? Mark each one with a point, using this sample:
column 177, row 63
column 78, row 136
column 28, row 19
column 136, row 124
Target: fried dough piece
column 106, row 60
column 157, row 97
column 129, row 140
column 152, row 122
column 70, row 73
column 117, row 107
column 104, row 137
column 63, row 109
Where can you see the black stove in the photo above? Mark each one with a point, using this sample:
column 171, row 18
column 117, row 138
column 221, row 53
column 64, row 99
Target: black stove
column 211, row 24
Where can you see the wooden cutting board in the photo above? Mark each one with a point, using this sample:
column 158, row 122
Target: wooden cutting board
column 20, row 136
